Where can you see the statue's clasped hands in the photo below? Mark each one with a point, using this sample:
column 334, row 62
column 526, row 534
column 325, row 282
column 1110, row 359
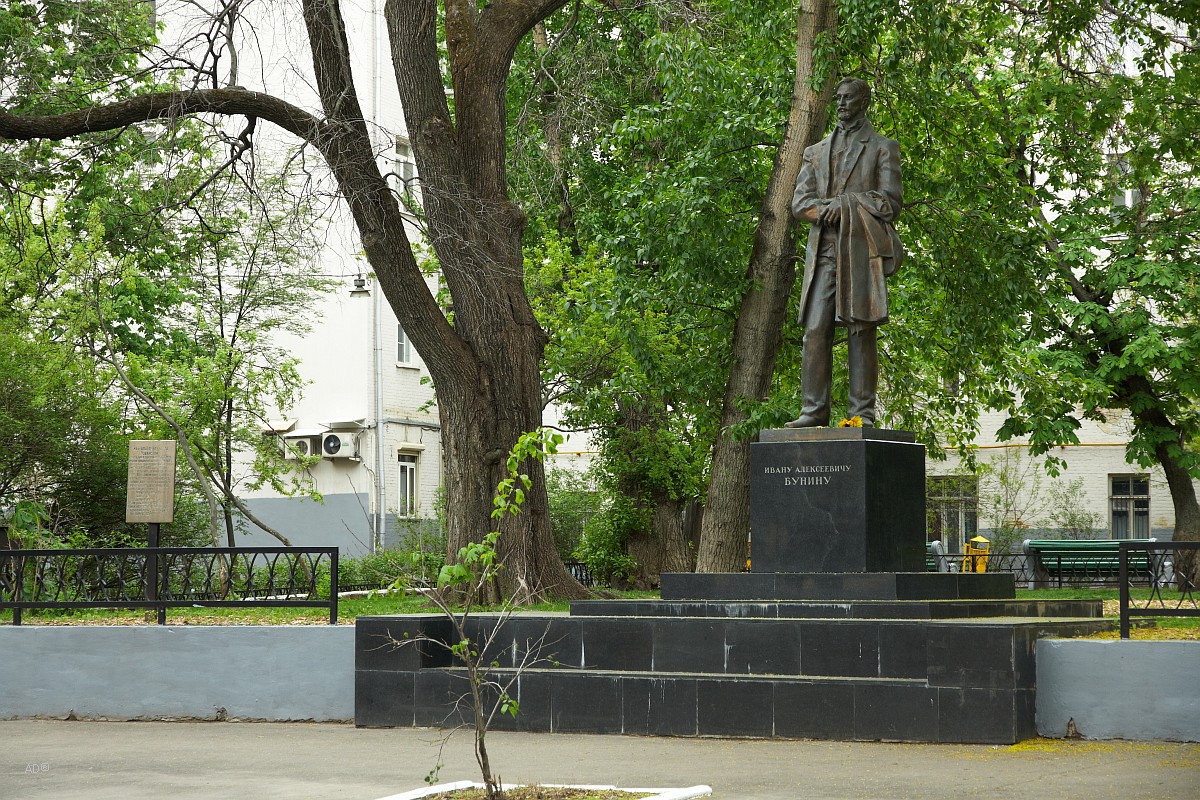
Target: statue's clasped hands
column 830, row 214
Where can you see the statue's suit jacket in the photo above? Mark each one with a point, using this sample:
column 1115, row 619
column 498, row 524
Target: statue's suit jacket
column 869, row 187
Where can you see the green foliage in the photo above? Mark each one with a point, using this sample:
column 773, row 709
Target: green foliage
column 622, row 372
column 573, row 501
column 1017, row 504
column 146, row 256
column 602, row 547
column 1026, row 290
column 64, row 451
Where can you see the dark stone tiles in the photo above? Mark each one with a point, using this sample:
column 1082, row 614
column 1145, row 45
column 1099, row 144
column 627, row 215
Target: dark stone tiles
column 895, row 712
column 833, row 609
column 814, row 710
column 842, row 505
column 717, row 586
column 584, row 702
column 762, row 648
column 978, row 656
column 617, row 644
column 734, row 707
column 842, row 649
column 383, row 699
column 835, row 586
column 689, row 645
column 902, row 650
column 673, row 707
column 533, row 691
column 690, row 705
column 401, row 643
column 436, row 702
column 977, row 716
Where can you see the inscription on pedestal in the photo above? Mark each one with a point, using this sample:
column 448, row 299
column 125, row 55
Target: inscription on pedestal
column 837, row 505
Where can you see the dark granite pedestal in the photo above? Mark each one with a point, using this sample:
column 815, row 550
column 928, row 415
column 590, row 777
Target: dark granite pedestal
column 837, row 500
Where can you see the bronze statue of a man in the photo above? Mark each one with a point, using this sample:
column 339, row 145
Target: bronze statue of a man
column 850, row 190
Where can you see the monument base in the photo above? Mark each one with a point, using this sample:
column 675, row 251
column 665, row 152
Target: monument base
column 837, row 500
column 838, row 586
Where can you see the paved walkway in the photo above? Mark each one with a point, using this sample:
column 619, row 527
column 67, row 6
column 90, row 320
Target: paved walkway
column 264, row 761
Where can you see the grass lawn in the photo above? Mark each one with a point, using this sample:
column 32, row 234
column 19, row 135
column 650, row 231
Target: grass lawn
column 1163, row 627
column 350, row 608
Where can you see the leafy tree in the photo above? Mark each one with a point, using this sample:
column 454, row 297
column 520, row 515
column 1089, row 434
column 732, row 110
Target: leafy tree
column 1090, row 301
column 620, row 372
column 668, row 156
column 484, row 364
column 209, row 371
column 1017, row 125
column 170, row 275
column 64, row 450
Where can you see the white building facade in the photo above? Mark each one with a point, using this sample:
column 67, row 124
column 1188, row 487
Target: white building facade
column 1099, row 494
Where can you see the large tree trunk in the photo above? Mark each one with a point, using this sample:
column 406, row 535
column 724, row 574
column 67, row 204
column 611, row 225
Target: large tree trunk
column 489, row 388
column 1179, row 480
column 662, row 548
column 758, row 333
column 661, row 543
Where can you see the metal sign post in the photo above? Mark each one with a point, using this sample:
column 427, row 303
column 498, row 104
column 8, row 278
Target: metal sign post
column 151, row 499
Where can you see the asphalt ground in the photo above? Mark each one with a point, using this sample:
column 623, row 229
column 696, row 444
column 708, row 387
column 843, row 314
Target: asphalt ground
column 64, row 760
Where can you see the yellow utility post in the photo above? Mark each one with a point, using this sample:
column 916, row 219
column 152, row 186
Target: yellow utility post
column 975, row 555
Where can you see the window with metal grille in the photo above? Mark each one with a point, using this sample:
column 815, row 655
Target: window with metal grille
column 1129, row 501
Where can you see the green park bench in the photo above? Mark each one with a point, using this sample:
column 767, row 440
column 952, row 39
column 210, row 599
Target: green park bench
column 1055, row 562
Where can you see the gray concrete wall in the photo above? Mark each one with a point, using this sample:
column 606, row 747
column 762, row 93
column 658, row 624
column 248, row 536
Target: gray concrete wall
column 152, row 672
column 1119, row 689
column 342, row 521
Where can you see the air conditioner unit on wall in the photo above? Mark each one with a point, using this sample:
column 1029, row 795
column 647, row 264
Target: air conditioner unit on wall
column 338, row 445
column 296, row 447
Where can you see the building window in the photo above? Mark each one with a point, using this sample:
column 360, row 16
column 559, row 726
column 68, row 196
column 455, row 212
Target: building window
column 406, row 165
column 406, row 500
column 403, row 346
column 1129, row 500
column 952, row 508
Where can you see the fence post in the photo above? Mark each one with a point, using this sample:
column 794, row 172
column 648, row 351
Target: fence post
column 333, row 587
column 152, row 565
column 1123, row 577
column 18, row 587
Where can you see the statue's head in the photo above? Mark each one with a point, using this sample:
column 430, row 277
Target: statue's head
column 853, row 95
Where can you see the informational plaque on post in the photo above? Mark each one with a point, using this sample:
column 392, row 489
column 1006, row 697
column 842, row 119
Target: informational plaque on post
column 151, row 495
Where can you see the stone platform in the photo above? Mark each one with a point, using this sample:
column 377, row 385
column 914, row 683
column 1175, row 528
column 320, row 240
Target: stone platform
column 923, row 670
column 834, row 635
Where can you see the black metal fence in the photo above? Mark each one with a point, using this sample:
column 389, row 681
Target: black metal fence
column 580, row 573
column 170, row 577
column 1177, row 567
column 1033, row 569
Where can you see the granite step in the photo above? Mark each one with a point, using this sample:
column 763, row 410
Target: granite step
column 850, row 609
column 705, row 704
column 837, row 586
column 983, row 653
